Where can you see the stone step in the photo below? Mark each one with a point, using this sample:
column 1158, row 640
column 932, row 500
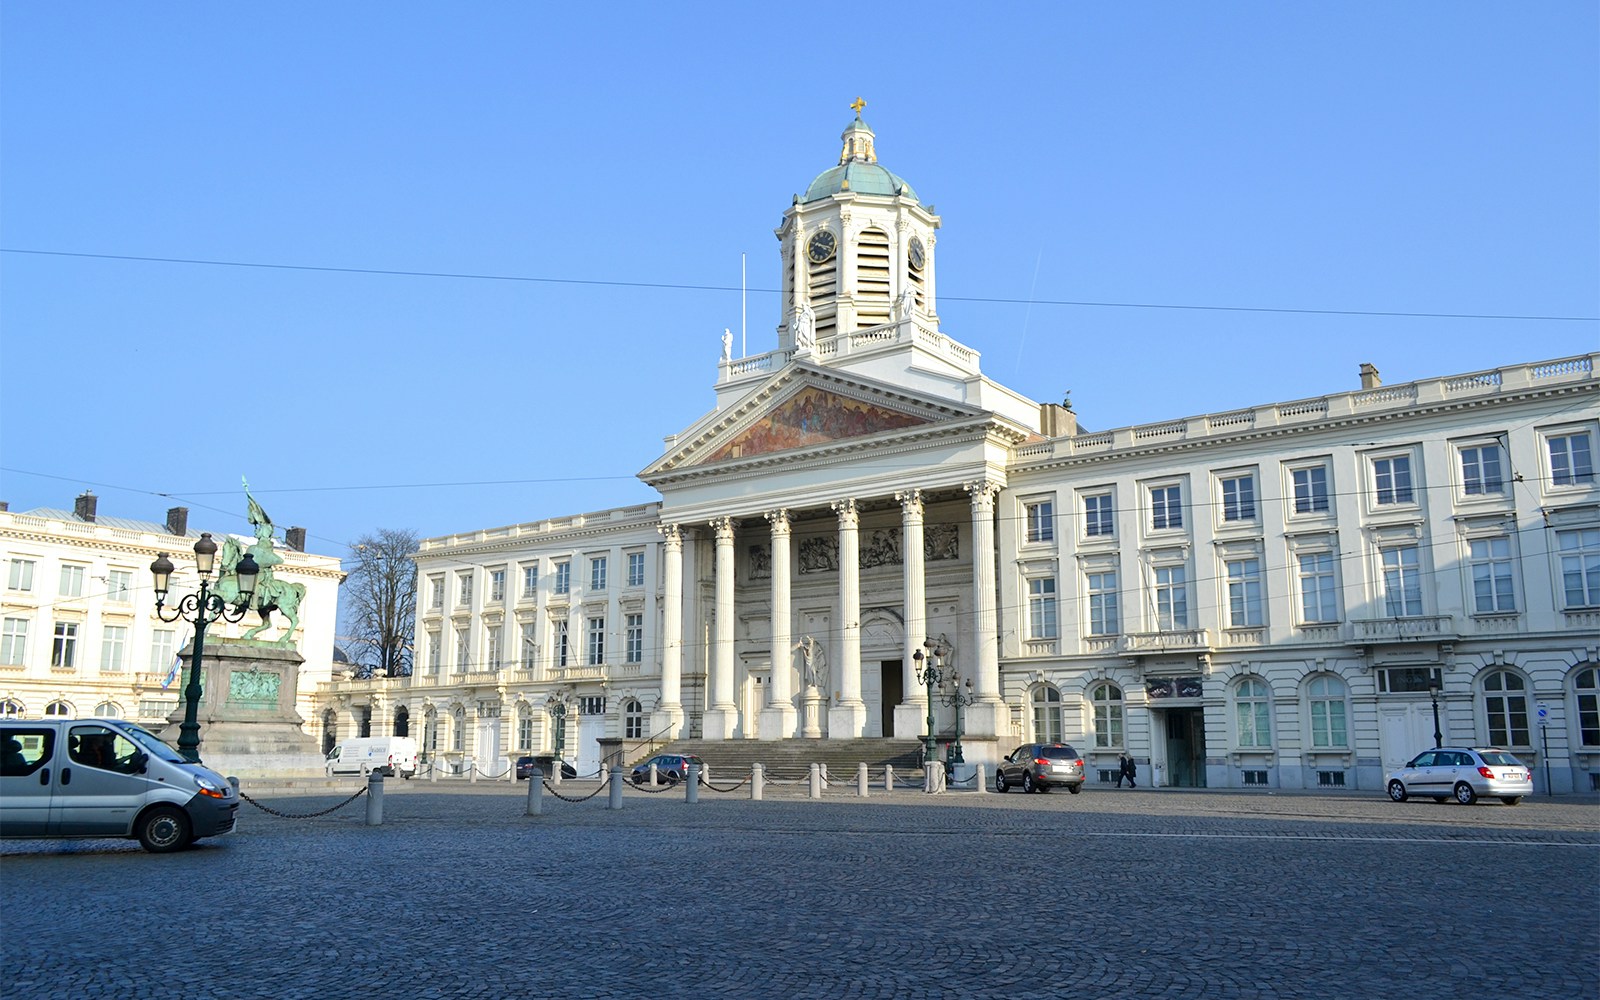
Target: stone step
column 788, row 759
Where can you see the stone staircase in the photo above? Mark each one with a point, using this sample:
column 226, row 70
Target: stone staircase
column 787, row 760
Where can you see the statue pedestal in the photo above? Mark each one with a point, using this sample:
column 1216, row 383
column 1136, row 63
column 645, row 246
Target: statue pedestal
column 248, row 723
column 811, row 720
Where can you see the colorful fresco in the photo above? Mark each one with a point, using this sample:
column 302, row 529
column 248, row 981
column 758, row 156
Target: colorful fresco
column 812, row 417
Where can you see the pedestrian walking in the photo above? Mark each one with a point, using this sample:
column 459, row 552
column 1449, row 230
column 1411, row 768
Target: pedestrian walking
column 1122, row 768
column 1130, row 770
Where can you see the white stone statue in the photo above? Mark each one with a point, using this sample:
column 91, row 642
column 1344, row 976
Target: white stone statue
column 813, row 663
column 805, row 327
column 905, row 304
column 727, row 345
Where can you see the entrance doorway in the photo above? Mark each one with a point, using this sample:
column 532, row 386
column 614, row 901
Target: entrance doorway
column 1186, row 747
column 894, row 691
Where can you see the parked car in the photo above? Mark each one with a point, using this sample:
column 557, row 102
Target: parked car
column 525, row 766
column 671, row 768
column 1041, row 766
column 1462, row 773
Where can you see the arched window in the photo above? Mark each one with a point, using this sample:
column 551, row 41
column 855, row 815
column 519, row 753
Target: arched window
column 1252, row 705
column 1325, row 699
column 1047, row 714
column 632, row 720
column 1505, row 709
column 458, row 729
column 402, row 721
column 1586, row 685
column 57, row 710
column 1107, row 701
column 10, row 709
column 524, row 727
column 108, row 710
column 558, row 729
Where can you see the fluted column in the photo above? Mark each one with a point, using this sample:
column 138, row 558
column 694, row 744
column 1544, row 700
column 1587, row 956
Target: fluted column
column 988, row 716
column 722, row 717
column 778, row 716
column 669, row 710
column 913, row 707
column 847, row 719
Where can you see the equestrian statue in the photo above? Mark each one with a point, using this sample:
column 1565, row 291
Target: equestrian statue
column 271, row 594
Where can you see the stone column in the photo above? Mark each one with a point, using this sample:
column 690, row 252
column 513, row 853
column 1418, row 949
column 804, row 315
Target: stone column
column 778, row 715
column 669, row 710
column 847, row 719
column 988, row 716
column 910, row 714
column 722, row 716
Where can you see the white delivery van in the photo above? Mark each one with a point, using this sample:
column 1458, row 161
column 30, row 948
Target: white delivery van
column 106, row 778
column 390, row 755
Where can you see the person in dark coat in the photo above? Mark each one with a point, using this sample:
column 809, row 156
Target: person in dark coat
column 1130, row 770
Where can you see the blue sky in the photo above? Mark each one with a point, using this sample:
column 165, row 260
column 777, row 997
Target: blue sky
column 1354, row 158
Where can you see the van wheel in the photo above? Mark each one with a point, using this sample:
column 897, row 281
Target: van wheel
column 164, row 829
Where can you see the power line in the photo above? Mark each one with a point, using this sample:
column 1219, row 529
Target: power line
column 679, row 286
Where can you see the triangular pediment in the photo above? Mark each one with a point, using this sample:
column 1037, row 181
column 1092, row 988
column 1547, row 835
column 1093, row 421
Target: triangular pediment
column 805, row 410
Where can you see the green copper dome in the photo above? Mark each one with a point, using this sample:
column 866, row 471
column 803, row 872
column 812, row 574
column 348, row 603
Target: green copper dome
column 858, row 171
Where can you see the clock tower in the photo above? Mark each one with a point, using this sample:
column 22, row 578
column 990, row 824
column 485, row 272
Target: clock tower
column 857, row 251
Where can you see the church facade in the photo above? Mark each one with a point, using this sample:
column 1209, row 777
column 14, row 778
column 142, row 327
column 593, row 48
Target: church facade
column 1285, row 595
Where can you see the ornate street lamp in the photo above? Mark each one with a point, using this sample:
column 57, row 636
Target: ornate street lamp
column 960, row 695
column 200, row 610
column 931, row 672
column 1433, row 696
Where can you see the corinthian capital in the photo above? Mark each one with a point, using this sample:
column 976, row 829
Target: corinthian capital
column 846, row 509
column 780, row 520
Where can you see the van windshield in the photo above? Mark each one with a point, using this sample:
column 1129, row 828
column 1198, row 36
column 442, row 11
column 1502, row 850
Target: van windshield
column 153, row 746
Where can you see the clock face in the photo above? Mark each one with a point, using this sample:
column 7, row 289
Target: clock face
column 821, row 247
column 918, row 258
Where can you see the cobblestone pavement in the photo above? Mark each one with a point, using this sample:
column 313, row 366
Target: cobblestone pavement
column 1110, row 893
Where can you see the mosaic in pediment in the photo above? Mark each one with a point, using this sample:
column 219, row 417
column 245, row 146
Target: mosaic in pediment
column 811, row 417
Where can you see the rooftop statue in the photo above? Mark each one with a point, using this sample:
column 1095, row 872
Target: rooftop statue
column 271, row 593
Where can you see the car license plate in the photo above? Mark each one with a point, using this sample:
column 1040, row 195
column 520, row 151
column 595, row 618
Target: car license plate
column 1061, row 768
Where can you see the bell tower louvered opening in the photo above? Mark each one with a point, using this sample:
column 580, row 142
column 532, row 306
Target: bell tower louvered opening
column 872, row 294
column 822, row 286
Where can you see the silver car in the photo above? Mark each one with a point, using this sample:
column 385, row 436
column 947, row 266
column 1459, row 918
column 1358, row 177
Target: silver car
column 1462, row 773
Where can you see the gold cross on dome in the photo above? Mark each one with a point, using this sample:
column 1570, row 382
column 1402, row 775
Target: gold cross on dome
column 858, row 104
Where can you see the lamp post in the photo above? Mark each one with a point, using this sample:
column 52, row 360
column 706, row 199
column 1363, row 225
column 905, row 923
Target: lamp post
column 1433, row 696
column 200, row 610
column 960, row 695
column 930, row 672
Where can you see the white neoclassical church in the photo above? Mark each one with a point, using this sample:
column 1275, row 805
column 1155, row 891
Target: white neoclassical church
column 1285, row 595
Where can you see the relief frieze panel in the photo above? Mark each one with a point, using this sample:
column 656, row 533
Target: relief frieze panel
column 812, row 417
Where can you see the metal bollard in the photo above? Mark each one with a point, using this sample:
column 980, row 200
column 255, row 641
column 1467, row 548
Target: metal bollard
column 433, row 771
column 615, row 778
column 816, row 781
column 861, row 779
column 511, row 770
column 691, row 794
column 472, row 772
column 981, row 776
column 536, row 792
column 888, row 777
column 555, row 773
column 930, row 783
column 375, row 798
column 653, row 782
column 758, row 779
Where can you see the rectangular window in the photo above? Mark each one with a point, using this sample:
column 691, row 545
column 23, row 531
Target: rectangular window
column 14, row 641
column 1490, row 561
column 64, row 649
column 1402, row 581
column 463, row 650
column 1172, row 598
column 71, row 581
column 1580, row 567
column 1480, row 470
column 592, row 705
column 1166, row 507
column 163, row 650
column 436, row 592
column 1042, row 608
column 1244, row 593
column 1318, row 596
column 1327, row 723
column 597, row 573
column 563, row 644
column 1041, row 521
column 497, row 585
column 635, row 638
column 1103, row 616
column 529, row 647
column 1255, row 723
column 563, row 577
column 465, row 595
column 1098, row 517
column 596, row 641
column 1311, row 490
column 113, row 649
column 530, row 581
column 119, row 586
column 492, row 641
column 1392, row 476
column 1571, row 460
column 20, row 576
column 1239, row 498
column 525, row 731
column 435, row 653
column 635, row 569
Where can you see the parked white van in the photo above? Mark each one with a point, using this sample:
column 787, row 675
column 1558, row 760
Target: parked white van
column 106, row 778
column 390, row 755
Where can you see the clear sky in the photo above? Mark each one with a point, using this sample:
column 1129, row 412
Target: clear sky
column 1344, row 159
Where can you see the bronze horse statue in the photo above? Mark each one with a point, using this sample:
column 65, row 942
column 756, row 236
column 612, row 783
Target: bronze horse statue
column 271, row 594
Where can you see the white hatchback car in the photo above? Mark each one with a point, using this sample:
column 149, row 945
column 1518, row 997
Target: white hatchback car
column 1463, row 773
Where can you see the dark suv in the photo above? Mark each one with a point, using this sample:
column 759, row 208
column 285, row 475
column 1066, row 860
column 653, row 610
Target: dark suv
column 671, row 768
column 1040, row 766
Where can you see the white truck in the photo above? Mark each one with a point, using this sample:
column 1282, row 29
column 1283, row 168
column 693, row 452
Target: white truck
column 390, row 755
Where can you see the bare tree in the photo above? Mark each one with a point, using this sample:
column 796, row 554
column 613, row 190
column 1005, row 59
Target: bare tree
column 381, row 592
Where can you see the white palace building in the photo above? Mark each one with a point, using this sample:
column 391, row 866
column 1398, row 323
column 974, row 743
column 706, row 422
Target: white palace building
column 1276, row 596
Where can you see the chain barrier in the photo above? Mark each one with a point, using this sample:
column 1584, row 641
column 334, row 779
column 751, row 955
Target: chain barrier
column 733, row 788
column 661, row 786
column 568, row 798
column 284, row 815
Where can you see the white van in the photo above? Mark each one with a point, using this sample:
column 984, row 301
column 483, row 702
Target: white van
column 390, row 755
column 106, row 778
